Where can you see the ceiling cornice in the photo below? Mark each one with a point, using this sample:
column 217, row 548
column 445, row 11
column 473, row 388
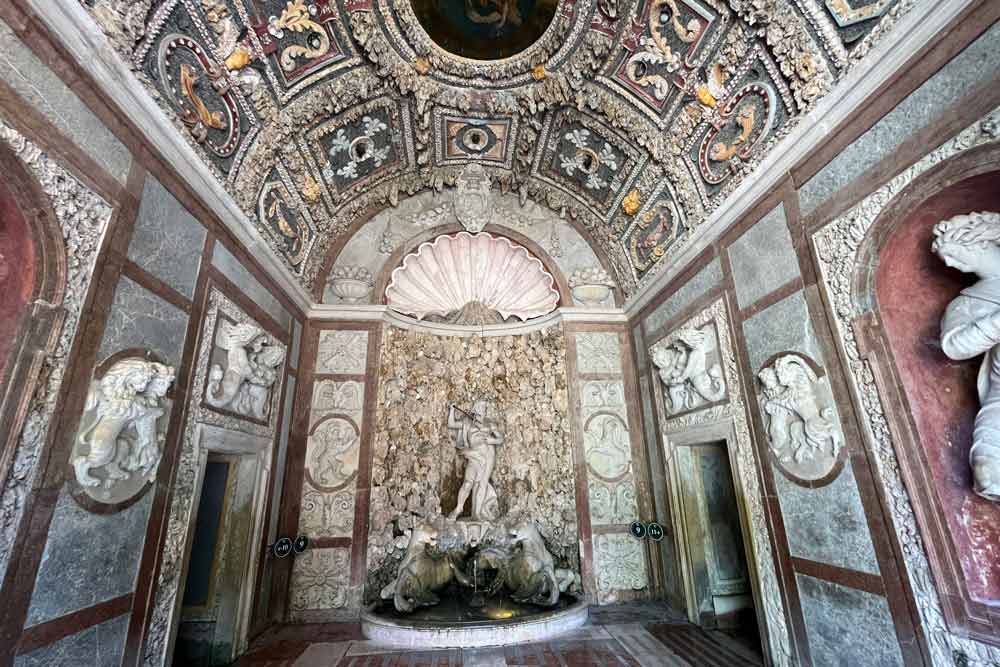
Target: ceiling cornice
column 70, row 22
column 916, row 29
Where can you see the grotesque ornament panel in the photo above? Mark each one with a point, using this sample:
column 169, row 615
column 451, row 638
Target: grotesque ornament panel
column 362, row 146
column 654, row 230
column 119, row 442
column 246, row 363
column 332, row 453
column 803, row 428
column 588, row 159
column 342, row 352
column 664, row 53
column 471, row 136
column 300, row 39
column 620, row 565
column 320, row 579
column 285, row 219
column 330, row 396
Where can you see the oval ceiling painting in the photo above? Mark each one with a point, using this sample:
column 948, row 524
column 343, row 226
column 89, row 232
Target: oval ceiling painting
column 485, row 29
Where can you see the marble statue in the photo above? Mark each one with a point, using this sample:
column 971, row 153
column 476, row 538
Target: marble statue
column 118, row 434
column 971, row 326
column 244, row 386
column 685, row 369
column 428, row 566
column 476, row 438
column 803, row 433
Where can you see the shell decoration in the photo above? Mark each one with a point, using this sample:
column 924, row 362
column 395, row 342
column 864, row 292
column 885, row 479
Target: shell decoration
column 446, row 274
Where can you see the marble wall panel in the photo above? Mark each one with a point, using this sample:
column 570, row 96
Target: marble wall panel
column 293, row 354
column 827, row 524
column 88, row 558
column 46, row 93
column 845, row 626
column 139, row 318
column 234, row 270
column 763, row 259
column 708, row 277
column 975, row 65
column 331, row 396
column 167, row 241
column 101, row 645
column 783, row 327
column 342, row 352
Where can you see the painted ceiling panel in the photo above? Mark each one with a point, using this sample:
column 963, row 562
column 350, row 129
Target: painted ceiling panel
column 636, row 119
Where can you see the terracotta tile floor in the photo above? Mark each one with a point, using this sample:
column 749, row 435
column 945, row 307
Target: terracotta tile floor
column 628, row 635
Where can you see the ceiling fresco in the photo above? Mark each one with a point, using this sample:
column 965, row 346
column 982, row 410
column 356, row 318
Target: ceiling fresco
column 633, row 120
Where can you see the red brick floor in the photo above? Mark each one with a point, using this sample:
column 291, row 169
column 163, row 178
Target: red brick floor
column 632, row 635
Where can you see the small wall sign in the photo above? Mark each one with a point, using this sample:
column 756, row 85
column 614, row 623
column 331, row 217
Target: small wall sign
column 655, row 531
column 638, row 530
column 282, row 547
column 301, row 544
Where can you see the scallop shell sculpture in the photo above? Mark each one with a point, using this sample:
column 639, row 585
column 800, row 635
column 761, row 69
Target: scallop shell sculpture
column 446, row 274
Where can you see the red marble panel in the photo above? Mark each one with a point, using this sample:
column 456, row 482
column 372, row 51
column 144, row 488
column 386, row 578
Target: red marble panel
column 913, row 287
column 17, row 272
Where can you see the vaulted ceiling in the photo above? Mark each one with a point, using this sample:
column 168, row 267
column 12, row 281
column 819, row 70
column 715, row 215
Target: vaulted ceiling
column 634, row 119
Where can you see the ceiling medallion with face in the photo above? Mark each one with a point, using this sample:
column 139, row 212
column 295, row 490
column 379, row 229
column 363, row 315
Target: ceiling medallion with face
column 485, row 29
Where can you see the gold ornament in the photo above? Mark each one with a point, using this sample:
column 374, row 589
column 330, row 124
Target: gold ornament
column 422, row 64
column 238, row 59
column 538, row 72
column 631, row 203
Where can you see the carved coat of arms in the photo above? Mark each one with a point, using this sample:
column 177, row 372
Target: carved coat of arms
column 472, row 198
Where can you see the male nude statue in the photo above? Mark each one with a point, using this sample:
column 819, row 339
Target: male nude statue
column 476, row 439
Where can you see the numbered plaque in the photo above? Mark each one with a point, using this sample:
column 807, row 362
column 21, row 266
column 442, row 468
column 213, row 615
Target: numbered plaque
column 638, row 530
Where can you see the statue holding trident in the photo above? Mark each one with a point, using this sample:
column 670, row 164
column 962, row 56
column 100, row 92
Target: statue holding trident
column 476, row 438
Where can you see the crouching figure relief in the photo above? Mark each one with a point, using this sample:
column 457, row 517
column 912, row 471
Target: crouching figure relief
column 118, row 444
column 971, row 326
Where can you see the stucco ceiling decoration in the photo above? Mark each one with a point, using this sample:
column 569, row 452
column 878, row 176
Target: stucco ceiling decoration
column 447, row 276
column 635, row 119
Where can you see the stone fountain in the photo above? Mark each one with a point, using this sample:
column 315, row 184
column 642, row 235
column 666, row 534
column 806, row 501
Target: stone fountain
column 480, row 580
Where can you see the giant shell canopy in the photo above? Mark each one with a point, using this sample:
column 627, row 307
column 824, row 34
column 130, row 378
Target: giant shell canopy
column 631, row 119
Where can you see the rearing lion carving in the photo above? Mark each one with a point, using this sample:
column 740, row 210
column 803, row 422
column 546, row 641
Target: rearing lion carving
column 245, row 384
column 128, row 395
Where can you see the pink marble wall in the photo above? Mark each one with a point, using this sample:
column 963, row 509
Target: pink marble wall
column 913, row 287
column 17, row 272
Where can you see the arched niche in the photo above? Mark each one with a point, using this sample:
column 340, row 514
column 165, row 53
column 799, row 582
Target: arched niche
column 930, row 401
column 32, row 284
column 387, row 235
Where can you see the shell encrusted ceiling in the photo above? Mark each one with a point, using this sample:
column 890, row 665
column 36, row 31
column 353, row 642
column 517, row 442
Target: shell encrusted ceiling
column 634, row 120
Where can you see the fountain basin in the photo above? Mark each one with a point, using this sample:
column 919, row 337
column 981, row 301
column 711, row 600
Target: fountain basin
column 453, row 624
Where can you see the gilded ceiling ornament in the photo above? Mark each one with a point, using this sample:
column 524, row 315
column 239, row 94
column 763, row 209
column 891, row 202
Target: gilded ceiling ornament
column 299, row 17
column 311, row 190
column 238, row 59
column 422, row 64
column 538, row 72
column 631, row 203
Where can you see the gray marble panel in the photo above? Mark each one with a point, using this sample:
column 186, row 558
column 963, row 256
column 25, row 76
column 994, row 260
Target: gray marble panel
column 88, row 558
column 763, row 259
column 783, row 327
column 167, row 240
column 846, row 626
column 101, row 645
column 639, row 341
column 827, row 524
column 707, row 278
column 977, row 63
column 41, row 89
column 279, row 467
column 139, row 318
column 293, row 354
column 231, row 268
